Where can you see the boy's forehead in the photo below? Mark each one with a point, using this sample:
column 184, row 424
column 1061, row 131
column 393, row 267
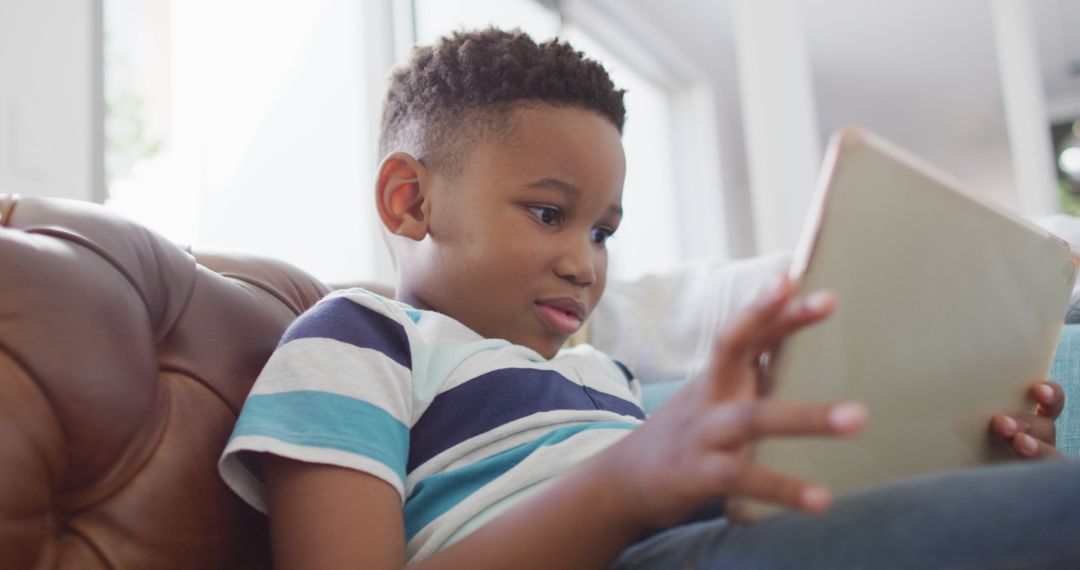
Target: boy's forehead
column 564, row 149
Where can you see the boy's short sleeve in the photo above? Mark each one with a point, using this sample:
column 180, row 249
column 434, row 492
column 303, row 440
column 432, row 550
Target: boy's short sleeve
column 336, row 391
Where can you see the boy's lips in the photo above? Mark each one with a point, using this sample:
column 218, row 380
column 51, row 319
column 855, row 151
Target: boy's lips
column 562, row 314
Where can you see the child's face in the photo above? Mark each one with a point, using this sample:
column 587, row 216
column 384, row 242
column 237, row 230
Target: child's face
column 515, row 241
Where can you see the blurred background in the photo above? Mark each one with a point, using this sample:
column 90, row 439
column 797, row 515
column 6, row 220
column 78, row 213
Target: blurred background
column 250, row 125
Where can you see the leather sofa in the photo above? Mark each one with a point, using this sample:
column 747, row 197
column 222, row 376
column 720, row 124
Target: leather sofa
column 124, row 360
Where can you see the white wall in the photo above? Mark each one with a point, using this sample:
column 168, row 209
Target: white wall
column 51, row 140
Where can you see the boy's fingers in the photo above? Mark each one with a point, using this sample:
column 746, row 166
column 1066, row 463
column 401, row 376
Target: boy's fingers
column 797, row 313
column 1039, row 427
column 1027, row 447
column 766, row 485
column 746, row 421
column 1051, row 398
column 761, row 329
column 743, row 334
column 738, row 346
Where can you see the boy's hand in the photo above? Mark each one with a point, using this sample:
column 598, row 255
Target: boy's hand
column 1032, row 436
column 697, row 446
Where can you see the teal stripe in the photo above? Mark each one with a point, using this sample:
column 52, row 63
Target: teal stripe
column 656, row 393
column 322, row 419
column 438, row 494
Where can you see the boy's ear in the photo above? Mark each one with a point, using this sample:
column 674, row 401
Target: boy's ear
column 401, row 195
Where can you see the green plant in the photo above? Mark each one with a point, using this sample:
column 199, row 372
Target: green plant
column 1070, row 202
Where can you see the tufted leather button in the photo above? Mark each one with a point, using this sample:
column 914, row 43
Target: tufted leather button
column 124, row 360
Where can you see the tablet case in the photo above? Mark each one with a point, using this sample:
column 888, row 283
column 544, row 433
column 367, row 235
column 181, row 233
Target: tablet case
column 948, row 308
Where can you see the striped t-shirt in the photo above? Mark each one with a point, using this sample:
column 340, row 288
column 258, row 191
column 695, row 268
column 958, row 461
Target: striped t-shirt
column 461, row 426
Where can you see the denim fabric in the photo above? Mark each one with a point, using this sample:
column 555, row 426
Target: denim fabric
column 1066, row 371
column 1017, row 515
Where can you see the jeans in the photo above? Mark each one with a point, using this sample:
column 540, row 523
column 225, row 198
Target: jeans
column 1017, row 515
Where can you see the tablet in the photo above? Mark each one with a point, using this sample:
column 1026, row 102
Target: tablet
column 948, row 307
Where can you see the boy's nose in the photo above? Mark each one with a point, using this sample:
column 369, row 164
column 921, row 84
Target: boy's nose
column 576, row 266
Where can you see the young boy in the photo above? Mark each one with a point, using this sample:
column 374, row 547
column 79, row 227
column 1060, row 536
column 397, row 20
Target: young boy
column 390, row 431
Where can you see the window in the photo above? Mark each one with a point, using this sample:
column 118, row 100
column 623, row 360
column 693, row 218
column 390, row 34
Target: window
column 248, row 126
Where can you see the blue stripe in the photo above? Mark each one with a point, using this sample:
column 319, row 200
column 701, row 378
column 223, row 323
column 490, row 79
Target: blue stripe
column 322, row 419
column 500, row 397
column 344, row 320
column 625, row 371
column 439, row 493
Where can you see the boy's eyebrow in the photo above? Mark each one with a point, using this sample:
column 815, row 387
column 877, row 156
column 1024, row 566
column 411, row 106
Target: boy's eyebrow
column 568, row 188
column 556, row 184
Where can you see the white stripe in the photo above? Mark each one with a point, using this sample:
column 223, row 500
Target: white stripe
column 429, row 376
column 447, row 329
column 328, row 365
column 505, row 356
column 545, row 463
column 507, row 436
column 252, row 490
column 581, row 364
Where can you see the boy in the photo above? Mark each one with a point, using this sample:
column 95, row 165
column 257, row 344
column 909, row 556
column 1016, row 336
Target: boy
column 389, row 431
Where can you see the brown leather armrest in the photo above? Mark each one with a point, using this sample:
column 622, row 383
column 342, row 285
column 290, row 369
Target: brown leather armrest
column 124, row 360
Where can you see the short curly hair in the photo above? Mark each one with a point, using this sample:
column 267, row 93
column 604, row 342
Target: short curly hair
column 464, row 87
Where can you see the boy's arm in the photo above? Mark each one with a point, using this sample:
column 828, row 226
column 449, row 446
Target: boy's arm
column 323, row 516
column 687, row 453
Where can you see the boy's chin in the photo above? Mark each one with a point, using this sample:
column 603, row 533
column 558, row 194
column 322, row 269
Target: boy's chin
column 547, row 347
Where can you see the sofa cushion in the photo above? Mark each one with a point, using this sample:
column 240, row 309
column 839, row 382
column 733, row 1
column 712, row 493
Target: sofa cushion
column 124, row 360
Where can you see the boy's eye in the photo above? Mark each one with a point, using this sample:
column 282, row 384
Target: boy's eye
column 546, row 215
column 601, row 235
